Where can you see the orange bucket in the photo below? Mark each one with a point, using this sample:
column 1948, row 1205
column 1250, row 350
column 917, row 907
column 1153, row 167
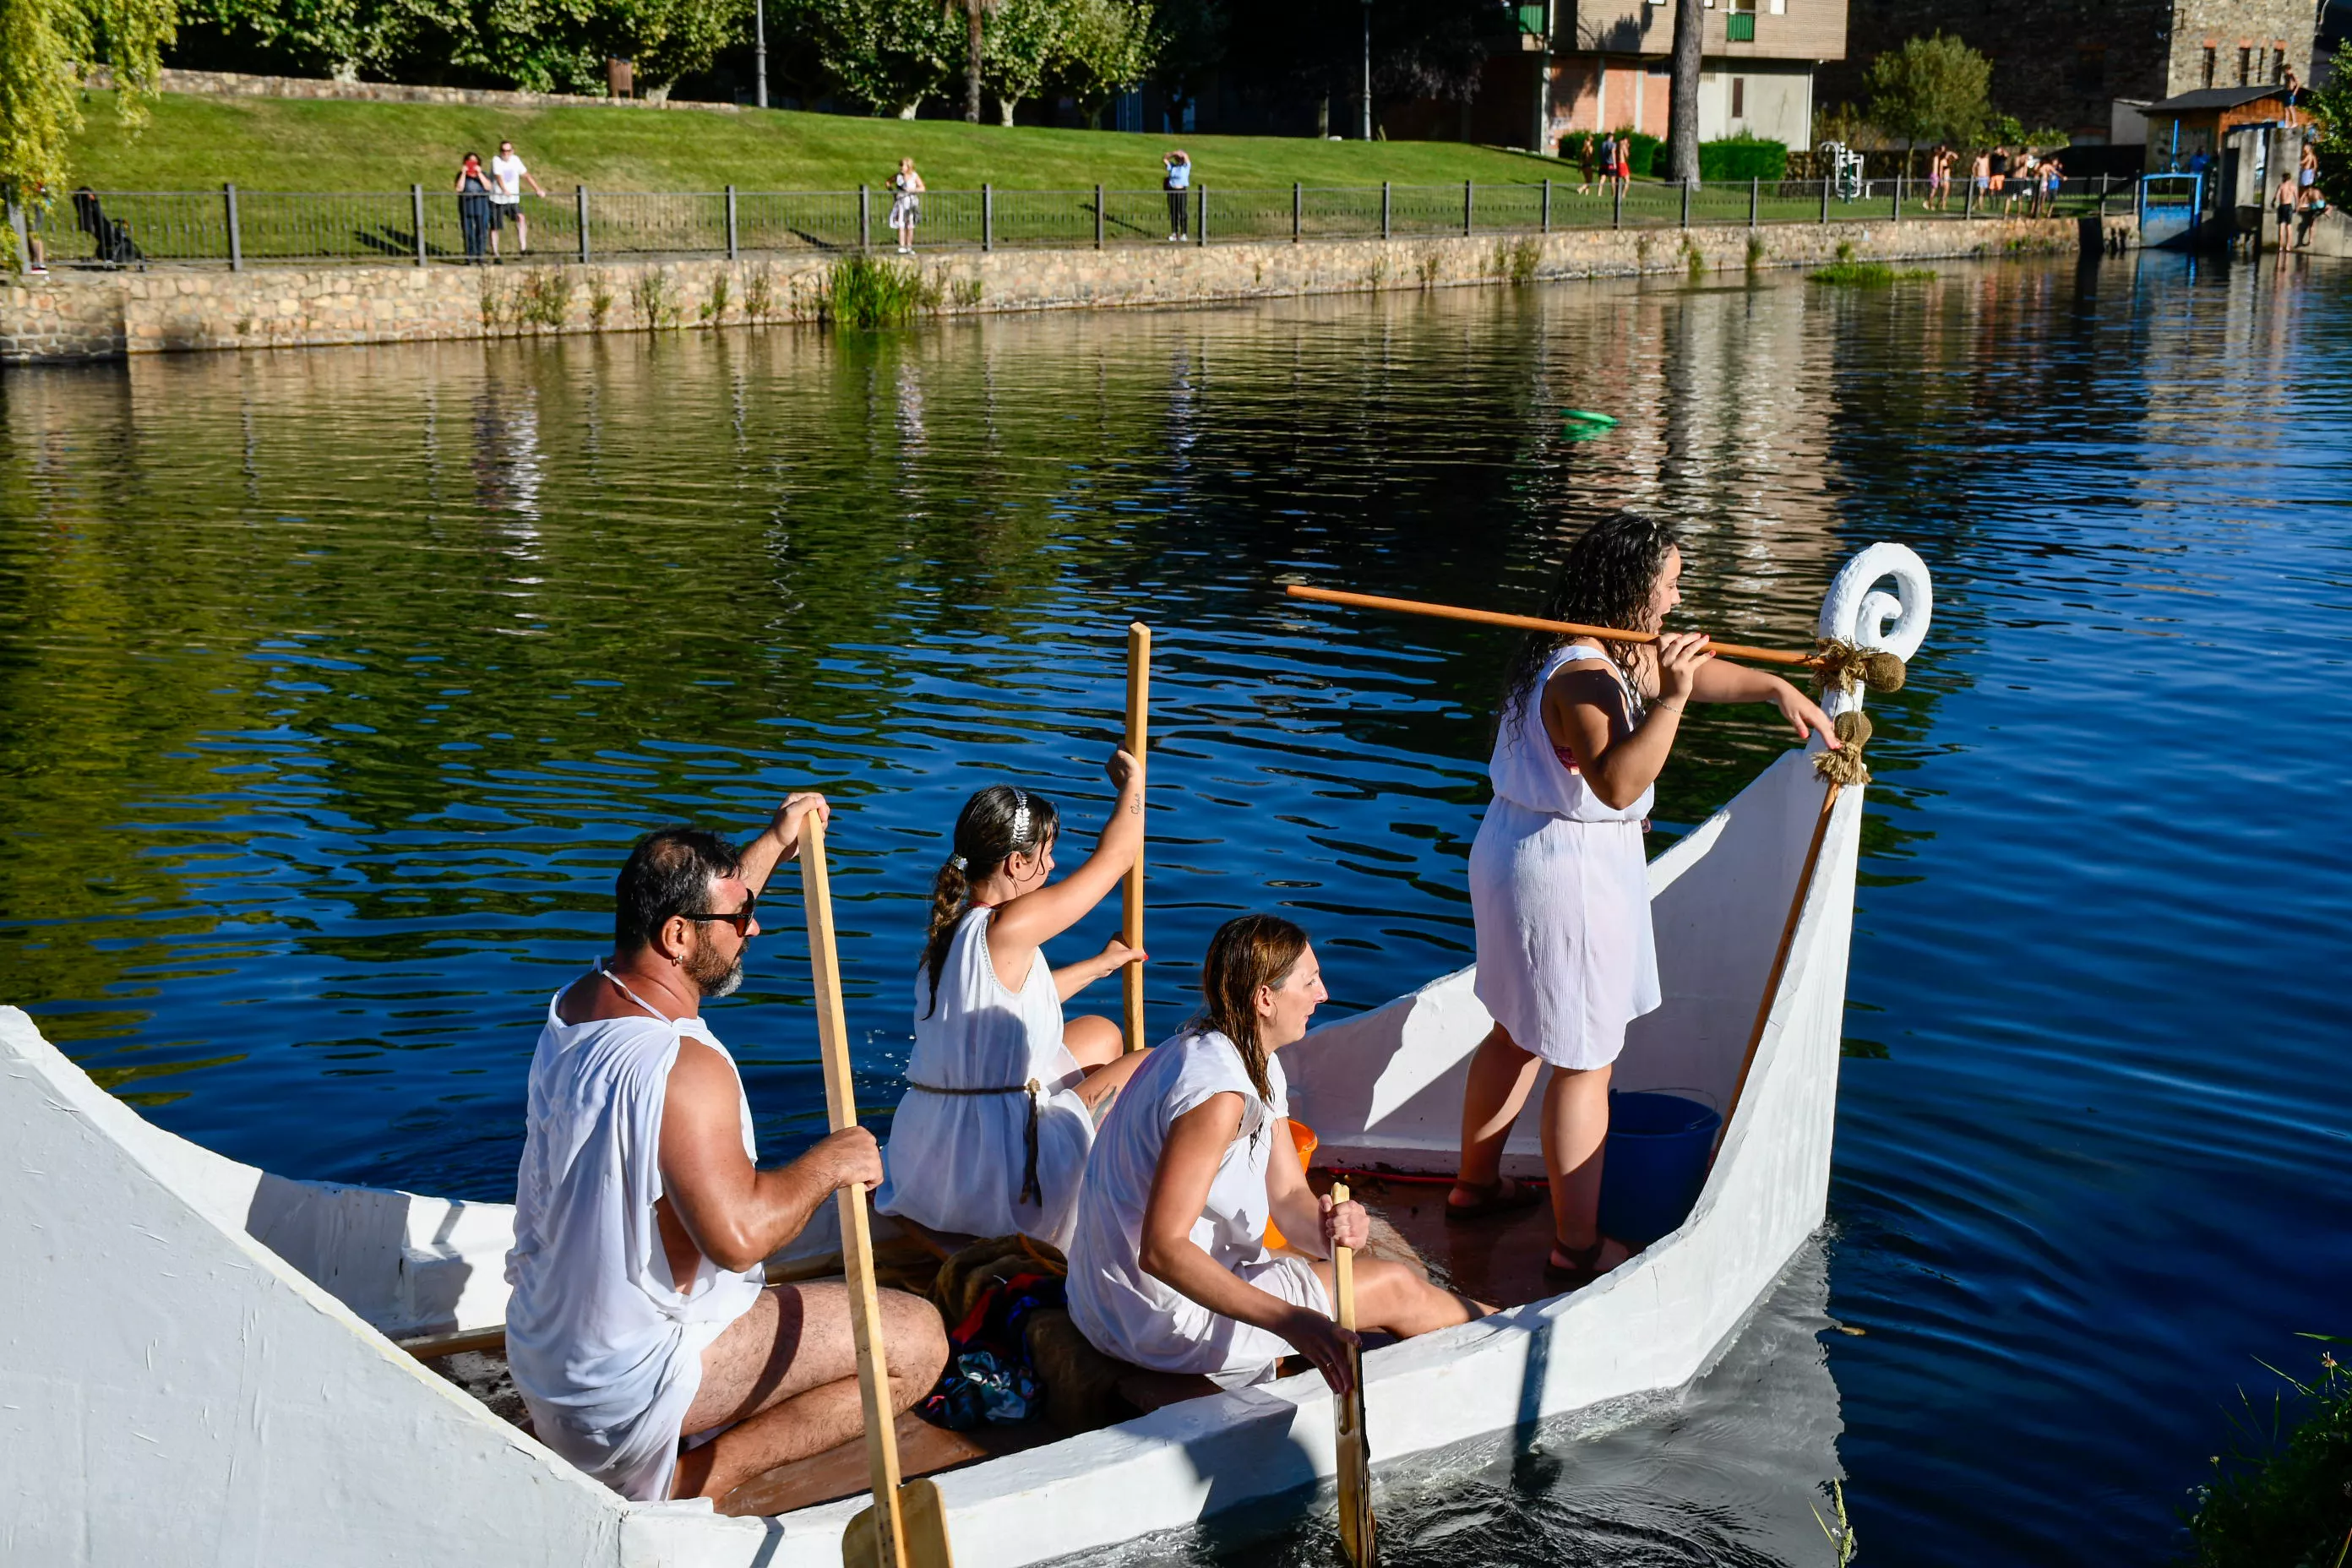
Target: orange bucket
column 1303, row 1138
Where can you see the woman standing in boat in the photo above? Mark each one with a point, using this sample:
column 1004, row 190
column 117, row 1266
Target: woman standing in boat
column 1170, row 1269
column 1558, row 883
column 1002, row 1094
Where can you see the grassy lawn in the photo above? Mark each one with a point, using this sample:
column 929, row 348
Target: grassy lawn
column 195, row 143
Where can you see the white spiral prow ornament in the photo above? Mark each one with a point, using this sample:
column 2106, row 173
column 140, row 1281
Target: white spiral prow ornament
column 1855, row 611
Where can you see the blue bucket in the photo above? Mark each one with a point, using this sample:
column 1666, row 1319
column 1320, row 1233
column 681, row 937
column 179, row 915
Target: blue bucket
column 1658, row 1148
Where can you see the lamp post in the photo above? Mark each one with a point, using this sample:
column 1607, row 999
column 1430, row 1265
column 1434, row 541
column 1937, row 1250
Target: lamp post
column 759, row 53
column 1367, row 119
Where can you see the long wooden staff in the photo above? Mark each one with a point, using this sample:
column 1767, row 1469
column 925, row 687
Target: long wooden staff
column 902, row 1530
column 1355, row 1466
column 1781, row 957
column 1534, row 624
column 1139, row 736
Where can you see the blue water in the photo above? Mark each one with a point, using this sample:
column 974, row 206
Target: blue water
column 334, row 685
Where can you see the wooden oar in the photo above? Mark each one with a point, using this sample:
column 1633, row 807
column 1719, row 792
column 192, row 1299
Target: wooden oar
column 905, row 1527
column 1139, row 736
column 1534, row 624
column 1355, row 1466
column 1779, row 958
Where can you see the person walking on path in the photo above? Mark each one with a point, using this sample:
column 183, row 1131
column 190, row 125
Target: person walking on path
column 1939, row 179
column 1585, row 165
column 473, row 188
column 1997, row 177
column 905, row 203
column 2053, row 182
column 1625, row 164
column 1177, row 182
column 507, row 175
column 1980, row 176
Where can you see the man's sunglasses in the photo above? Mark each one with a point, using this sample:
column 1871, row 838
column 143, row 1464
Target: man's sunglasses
column 740, row 919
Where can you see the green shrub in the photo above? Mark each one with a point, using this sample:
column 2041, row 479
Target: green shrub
column 1743, row 158
column 864, row 293
column 1866, row 274
column 2282, row 1496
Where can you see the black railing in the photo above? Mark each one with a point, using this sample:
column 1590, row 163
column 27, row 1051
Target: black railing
column 420, row 227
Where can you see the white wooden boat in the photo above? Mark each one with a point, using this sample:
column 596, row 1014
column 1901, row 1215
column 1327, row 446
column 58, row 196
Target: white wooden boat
column 197, row 1359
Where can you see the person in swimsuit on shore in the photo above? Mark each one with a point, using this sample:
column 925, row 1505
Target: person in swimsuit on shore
column 1002, row 1093
column 641, row 1315
column 1559, row 891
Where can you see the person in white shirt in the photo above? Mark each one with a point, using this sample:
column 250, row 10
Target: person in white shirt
column 1170, row 1269
column 1003, row 1091
column 507, row 175
column 640, row 1315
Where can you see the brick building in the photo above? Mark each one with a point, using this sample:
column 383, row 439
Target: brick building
column 2088, row 68
column 1605, row 66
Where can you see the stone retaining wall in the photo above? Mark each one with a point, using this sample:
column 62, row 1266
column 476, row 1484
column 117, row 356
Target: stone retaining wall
column 105, row 315
column 233, row 84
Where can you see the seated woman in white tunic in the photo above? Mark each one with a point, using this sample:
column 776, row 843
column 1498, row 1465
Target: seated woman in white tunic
column 1002, row 1093
column 1559, row 888
column 1170, row 1269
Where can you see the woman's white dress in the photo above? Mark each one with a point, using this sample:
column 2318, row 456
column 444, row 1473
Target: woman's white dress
column 1124, row 1311
column 960, row 1160
column 1559, row 891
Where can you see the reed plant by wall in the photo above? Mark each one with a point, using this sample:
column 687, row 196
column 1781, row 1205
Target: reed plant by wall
column 864, row 293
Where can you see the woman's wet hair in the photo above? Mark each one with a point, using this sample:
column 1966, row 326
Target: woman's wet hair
column 1606, row 581
column 995, row 824
column 1248, row 951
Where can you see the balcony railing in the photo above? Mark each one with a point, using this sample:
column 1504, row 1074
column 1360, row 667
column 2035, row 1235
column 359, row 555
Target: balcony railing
column 1739, row 27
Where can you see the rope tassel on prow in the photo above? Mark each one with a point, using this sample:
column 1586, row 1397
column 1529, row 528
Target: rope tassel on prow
column 1840, row 666
column 1844, row 765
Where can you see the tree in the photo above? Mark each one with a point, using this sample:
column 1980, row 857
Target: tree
column 2331, row 111
column 887, row 54
column 1682, row 93
column 1107, row 47
column 669, row 39
column 1021, row 51
column 974, row 52
column 46, row 50
column 1930, row 89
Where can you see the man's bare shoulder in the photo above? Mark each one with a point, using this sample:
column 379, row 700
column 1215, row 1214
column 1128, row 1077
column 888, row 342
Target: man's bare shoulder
column 591, row 999
column 700, row 1079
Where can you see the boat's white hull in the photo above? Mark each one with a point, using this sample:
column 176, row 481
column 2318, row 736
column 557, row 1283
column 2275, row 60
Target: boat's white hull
column 193, row 1360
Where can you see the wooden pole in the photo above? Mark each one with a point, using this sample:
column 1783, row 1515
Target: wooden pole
column 880, row 1536
column 1532, row 623
column 1355, row 1460
column 1138, row 737
column 1780, row 955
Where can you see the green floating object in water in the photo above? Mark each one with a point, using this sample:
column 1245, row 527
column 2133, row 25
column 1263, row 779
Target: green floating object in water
column 1586, row 416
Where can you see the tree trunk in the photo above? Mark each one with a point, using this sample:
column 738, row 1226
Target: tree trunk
column 1681, row 99
column 1003, row 111
column 972, row 64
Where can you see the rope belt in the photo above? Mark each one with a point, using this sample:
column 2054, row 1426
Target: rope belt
column 1030, row 1191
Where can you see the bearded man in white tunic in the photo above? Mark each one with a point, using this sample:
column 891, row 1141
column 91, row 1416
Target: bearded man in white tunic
column 641, row 1332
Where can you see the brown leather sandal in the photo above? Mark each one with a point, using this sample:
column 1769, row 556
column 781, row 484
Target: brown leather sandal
column 1504, row 1194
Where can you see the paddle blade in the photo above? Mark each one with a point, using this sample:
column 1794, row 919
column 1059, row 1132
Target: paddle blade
column 1355, row 1472
column 923, row 1521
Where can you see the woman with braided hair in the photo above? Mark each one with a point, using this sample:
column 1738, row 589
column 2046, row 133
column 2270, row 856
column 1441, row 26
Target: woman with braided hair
column 1002, row 1093
column 1169, row 1269
column 1560, row 887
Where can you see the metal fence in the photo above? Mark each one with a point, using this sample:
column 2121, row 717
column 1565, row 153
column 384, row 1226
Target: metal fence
column 244, row 228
